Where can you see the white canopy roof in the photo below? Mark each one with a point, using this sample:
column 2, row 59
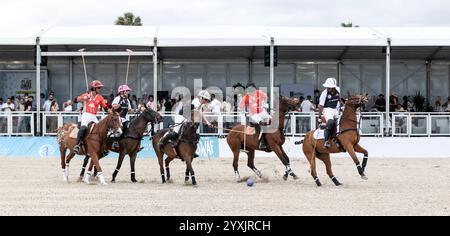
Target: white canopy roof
column 211, row 36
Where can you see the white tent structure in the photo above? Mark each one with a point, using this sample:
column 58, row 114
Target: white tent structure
column 336, row 43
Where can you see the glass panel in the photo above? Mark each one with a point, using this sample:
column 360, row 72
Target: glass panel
column 51, row 124
column 172, row 77
column 351, row 79
column 306, row 76
column 440, row 125
column 418, row 125
column 192, row 72
column 370, row 125
column 79, row 82
column 373, row 79
column 146, row 77
column 303, row 124
column 439, row 85
column 217, row 77
column 238, row 74
column 284, row 74
column 22, row 124
column 401, row 125
column 261, row 75
column 3, row 124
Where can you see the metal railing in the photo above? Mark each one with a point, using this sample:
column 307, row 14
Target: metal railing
column 17, row 123
column 371, row 124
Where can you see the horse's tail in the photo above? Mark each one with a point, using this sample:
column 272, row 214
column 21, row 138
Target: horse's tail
column 59, row 134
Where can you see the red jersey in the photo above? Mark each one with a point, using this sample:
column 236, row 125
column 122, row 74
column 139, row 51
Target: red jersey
column 254, row 102
column 92, row 103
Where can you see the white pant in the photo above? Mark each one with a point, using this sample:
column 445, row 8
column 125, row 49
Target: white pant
column 86, row 118
column 178, row 119
column 330, row 114
column 262, row 116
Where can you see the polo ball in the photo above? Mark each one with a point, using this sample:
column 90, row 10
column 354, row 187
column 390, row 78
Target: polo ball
column 250, row 182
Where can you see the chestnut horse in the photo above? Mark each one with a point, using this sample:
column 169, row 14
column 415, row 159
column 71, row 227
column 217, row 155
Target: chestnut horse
column 184, row 148
column 93, row 142
column 348, row 138
column 274, row 140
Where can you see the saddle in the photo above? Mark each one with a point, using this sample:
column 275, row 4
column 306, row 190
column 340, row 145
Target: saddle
column 333, row 136
column 73, row 130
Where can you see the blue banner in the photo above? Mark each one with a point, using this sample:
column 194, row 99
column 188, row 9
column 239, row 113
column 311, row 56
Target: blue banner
column 208, row 147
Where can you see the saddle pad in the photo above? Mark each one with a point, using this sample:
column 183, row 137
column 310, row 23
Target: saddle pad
column 250, row 130
column 320, row 133
column 74, row 131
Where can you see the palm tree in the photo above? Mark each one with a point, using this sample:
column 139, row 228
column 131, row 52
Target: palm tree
column 348, row 25
column 128, row 19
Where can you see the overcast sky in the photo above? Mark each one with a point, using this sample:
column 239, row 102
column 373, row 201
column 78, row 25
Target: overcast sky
column 227, row 12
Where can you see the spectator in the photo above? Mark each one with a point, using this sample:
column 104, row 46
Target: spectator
column 307, row 105
column 54, row 106
column 393, row 102
column 380, row 103
column 68, row 105
column 437, row 104
column 1, row 102
column 48, row 103
column 42, row 100
column 134, row 102
column 169, row 104
column 226, row 105
column 300, row 99
column 215, row 105
column 142, row 107
column 151, row 102
column 29, row 103
column 8, row 106
column 161, row 107
column 446, row 106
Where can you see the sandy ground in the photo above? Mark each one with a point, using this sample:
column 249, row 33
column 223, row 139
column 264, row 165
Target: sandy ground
column 395, row 187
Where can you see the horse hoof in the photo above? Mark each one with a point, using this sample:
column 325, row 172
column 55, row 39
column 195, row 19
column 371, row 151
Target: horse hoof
column 318, row 183
column 80, row 179
column 364, row 177
column 295, row 177
column 285, row 177
column 134, row 181
column 113, row 181
column 169, row 181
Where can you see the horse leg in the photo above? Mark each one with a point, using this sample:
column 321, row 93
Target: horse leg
column 87, row 175
column 119, row 164
column 352, row 153
column 167, row 162
column 360, row 149
column 235, row 164
column 83, row 168
column 160, row 156
column 132, row 162
column 279, row 152
column 325, row 158
column 68, row 158
column 96, row 162
column 289, row 166
column 251, row 163
column 191, row 170
column 62, row 152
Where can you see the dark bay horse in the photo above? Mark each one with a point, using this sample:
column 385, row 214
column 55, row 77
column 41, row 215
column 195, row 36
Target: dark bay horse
column 131, row 140
column 93, row 142
column 183, row 148
column 274, row 140
column 348, row 138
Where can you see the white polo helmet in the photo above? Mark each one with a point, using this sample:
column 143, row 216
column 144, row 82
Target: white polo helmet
column 330, row 83
column 204, row 94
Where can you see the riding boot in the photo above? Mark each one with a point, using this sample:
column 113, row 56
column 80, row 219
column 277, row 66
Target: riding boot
column 327, row 134
column 262, row 143
column 168, row 136
column 80, row 138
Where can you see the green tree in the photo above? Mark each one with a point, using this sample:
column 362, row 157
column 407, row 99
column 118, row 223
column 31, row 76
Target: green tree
column 348, row 25
column 128, row 19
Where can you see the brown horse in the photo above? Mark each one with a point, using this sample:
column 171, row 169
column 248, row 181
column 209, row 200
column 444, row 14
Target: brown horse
column 184, row 148
column 348, row 138
column 93, row 143
column 131, row 141
column 274, row 140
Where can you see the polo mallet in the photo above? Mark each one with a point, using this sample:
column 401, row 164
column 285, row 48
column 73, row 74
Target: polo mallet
column 128, row 65
column 84, row 66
